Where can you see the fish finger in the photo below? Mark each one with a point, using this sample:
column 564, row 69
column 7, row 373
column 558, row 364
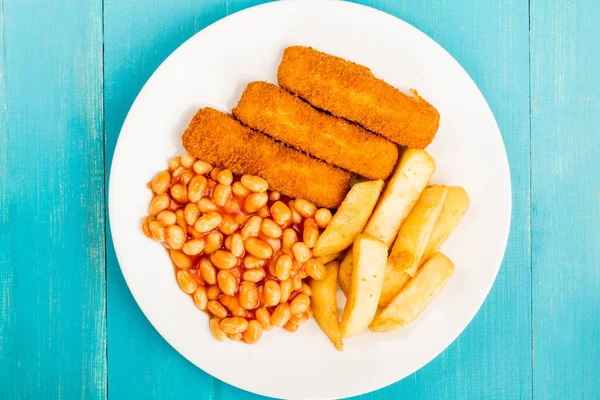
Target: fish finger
column 281, row 115
column 350, row 91
column 219, row 139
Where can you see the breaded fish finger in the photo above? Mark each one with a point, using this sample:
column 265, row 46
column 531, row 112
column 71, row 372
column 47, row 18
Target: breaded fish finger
column 281, row 115
column 348, row 91
column 219, row 139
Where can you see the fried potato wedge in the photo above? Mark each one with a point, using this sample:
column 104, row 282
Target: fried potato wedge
column 416, row 295
column 324, row 304
column 329, row 258
column 400, row 195
column 405, row 256
column 350, row 219
column 345, row 273
column 369, row 257
column 455, row 207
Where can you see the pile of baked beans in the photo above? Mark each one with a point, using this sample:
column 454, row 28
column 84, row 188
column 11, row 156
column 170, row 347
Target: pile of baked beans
column 241, row 251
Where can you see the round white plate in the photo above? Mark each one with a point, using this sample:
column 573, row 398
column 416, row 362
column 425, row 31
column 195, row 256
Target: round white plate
column 212, row 69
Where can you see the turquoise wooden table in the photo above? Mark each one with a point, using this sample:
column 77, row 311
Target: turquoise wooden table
column 69, row 71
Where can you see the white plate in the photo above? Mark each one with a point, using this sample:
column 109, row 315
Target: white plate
column 211, row 69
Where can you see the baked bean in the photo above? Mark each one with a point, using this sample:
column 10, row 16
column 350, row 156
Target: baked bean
column 227, row 243
column 286, row 290
column 315, row 269
column 272, row 293
column 301, row 252
column 202, row 168
column 221, row 194
column 213, row 292
column 258, row 248
column 175, row 236
column 208, row 222
column 178, row 172
column 253, row 332
column 214, row 173
column 223, row 259
column 305, row 208
column 200, row 299
column 191, row 213
column 179, row 193
column 191, row 231
column 233, row 305
column 254, row 275
column 180, row 260
column 288, row 239
column 186, row 281
column 283, row 268
column 145, row 226
column 236, row 337
column 248, row 295
column 174, row 163
column 310, row 234
column 228, row 225
column 186, row 177
column 208, row 272
column 180, row 217
column 227, row 282
column 216, row 330
column 196, row 188
column 225, row 177
column 296, row 217
column 264, row 212
column 193, row 247
column 216, row 309
column 255, row 202
column 187, row 160
column 281, row 213
column 290, row 327
column 206, row 205
column 263, row 316
column 237, row 245
column 214, row 241
column 157, row 230
column 296, row 283
column 251, row 262
column 252, row 227
column 211, row 184
column 299, row 319
column 240, row 218
column 300, row 304
column 160, row 183
column 233, row 325
column 272, row 266
column 239, row 190
column 302, row 274
column 281, row 315
column 306, row 289
column 159, row 202
column 269, row 228
column 274, row 196
column 254, row 183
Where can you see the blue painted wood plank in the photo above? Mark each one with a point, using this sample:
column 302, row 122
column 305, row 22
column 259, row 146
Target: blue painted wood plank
column 565, row 95
column 52, row 270
column 139, row 35
column 492, row 357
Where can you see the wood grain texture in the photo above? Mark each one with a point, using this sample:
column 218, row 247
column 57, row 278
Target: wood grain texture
column 565, row 122
column 139, row 35
column 52, row 271
column 492, row 358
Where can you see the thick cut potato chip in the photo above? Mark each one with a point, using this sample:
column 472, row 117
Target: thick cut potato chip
column 369, row 257
column 412, row 240
column 324, row 304
column 416, row 295
column 350, row 218
column 400, row 195
column 455, row 207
